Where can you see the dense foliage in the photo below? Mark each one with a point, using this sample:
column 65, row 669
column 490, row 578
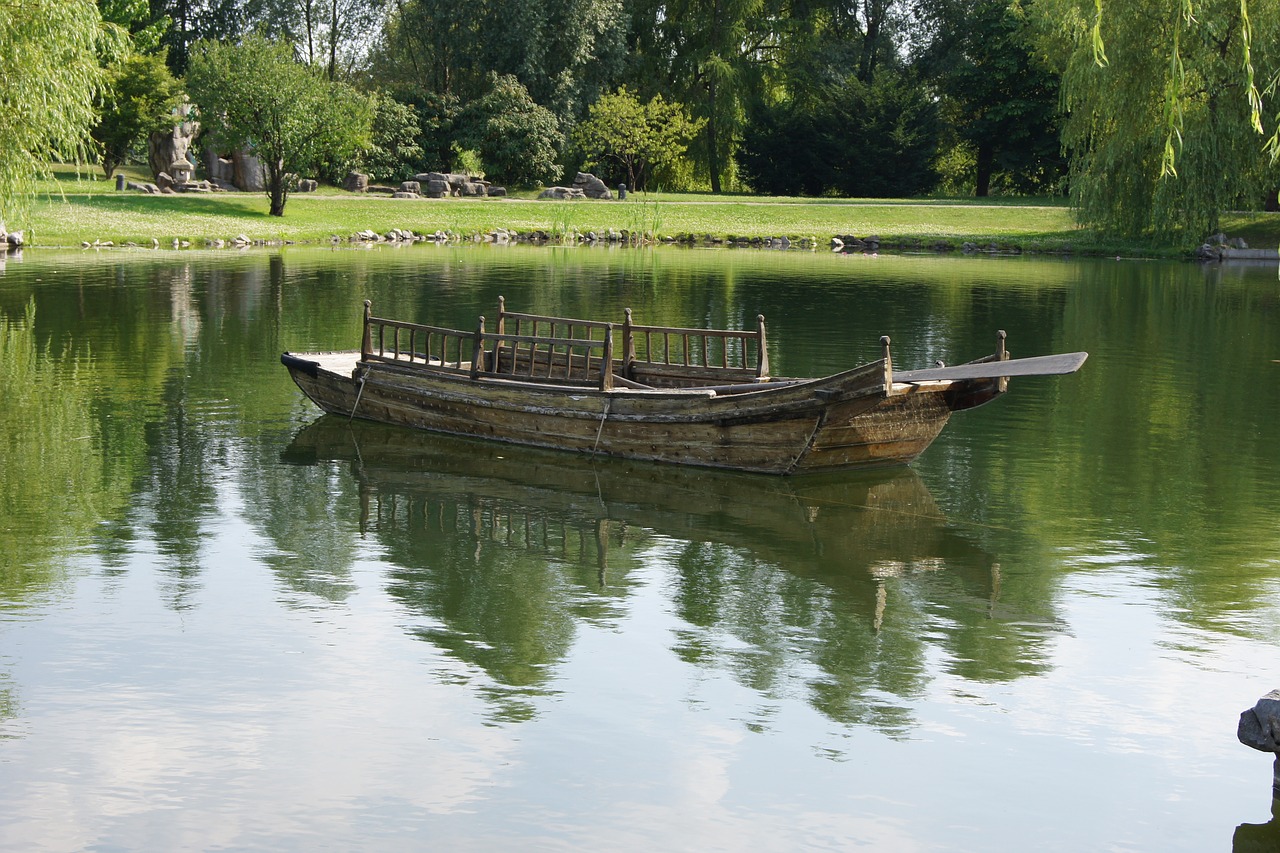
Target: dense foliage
column 874, row 140
column 517, row 139
column 394, row 153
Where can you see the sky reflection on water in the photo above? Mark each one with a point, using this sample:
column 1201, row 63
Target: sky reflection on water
column 228, row 623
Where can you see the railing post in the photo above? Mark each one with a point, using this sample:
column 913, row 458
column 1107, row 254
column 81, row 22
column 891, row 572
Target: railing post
column 628, row 346
column 477, row 359
column 502, row 330
column 888, row 365
column 606, row 361
column 366, row 340
column 1002, row 354
column 762, row 363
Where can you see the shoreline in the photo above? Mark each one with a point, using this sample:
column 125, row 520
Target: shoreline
column 83, row 214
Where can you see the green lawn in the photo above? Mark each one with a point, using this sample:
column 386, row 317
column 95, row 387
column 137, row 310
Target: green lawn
column 85, row 207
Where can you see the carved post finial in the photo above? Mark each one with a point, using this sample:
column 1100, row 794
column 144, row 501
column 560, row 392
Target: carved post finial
column 628, row 346
column 762, row 363
column 366, row 339
column 477, row 357
column 1002, row 354
column 888, row 364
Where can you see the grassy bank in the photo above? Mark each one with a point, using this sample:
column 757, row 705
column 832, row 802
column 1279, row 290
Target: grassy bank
column 86, row 208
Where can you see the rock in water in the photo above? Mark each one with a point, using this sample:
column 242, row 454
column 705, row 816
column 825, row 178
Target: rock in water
column 1260, row 725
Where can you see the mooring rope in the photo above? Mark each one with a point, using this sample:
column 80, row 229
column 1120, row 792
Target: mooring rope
column 600, row 429
column 364, row 374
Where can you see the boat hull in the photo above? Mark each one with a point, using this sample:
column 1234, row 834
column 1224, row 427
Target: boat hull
column 850, row 420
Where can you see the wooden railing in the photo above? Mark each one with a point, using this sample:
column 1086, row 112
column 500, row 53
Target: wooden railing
column 722, row 350
column 397, row 341
column 542, row 348
column 543, row 358
column 542, row 325
column 670, row 346
column 559, row 359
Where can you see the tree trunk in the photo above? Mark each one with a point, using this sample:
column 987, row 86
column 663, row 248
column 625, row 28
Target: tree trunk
column 276, row 187
column 713, row 140
column 311, row 48
column 986, row 156
column 333, row 41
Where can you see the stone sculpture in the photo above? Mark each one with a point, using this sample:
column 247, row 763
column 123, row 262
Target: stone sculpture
column 1260, row 729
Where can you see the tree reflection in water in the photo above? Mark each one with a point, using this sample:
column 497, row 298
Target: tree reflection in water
column 831, row 587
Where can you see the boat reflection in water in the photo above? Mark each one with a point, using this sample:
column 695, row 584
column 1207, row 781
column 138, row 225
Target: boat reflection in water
column 503, row 553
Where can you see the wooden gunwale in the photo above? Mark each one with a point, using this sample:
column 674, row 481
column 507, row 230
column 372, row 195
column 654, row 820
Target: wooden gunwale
column 684, row 426
column 665, row 404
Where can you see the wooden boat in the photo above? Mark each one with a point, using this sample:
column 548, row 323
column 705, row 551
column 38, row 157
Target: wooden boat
column 681, row 395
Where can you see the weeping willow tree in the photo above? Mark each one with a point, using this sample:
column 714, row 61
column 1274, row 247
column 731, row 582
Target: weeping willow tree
column 1166, row 101
column 50, row 78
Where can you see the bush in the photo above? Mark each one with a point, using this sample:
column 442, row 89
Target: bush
column 636, row 139
column 517, row 139
column 395, row 154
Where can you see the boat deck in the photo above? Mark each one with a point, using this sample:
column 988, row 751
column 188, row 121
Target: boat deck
column 342, row 363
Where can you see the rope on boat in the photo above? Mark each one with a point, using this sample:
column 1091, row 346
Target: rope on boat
column 364, row 373
column 822, row 419
column 600, row 429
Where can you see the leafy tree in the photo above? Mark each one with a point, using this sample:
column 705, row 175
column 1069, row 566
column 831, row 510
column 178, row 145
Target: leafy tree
column 876, row 140
column 145, row 28
column 1156, row 151
column 827, row 40
column 711, row 55
column 394, row 153
column 438, row 117
column 1000, row 96
column 563, row 53
column 193, row 20
column 335, row 32
column 140, row 97
column 293, row 119
column 423, row 49
column 517, row 139
column 50, row 77
column 635, row 137
column 334, row 35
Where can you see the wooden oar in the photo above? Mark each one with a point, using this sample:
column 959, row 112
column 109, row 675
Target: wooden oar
column 1043, row 365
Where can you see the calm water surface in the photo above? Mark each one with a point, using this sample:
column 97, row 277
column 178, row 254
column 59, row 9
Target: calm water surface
column 229, row 623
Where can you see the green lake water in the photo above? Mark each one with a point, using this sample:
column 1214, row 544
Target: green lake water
column 230, row 623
